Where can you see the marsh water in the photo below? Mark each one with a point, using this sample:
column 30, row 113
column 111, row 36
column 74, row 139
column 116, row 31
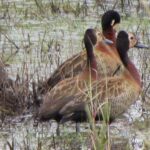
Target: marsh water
column 37, row 36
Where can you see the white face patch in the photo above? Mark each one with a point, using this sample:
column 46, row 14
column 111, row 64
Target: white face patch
column 99, row 36
column 116, row 26
column 112, row 23
column 132, row 39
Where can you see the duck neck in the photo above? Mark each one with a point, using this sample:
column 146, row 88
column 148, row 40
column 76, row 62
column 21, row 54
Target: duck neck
column 91, row 61
column 131, row 68
column 134, row 72
column 110, row 34
column 92, row 67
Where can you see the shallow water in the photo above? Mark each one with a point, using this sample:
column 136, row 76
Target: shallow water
column 44, row 41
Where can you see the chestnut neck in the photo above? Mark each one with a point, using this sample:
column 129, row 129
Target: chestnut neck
column 91, row 61
column 110, row 34
column 130, row 66
column 134, row 72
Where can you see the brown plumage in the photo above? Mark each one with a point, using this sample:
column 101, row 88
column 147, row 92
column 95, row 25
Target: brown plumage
column 76, row 64
column 11, row 102
column 11, row 95
column 62, row 88
column 67, row 100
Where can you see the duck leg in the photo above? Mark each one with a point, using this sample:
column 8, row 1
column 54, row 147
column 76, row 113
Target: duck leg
column 58, row 129
column 77, row 127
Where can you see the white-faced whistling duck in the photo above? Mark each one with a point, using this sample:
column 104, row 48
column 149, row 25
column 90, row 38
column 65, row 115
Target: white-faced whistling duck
column 77, row 63
column 61, row 90
column 68, row 99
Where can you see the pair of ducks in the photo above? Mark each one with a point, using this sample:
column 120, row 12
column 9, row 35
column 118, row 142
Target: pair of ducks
column 102, row 72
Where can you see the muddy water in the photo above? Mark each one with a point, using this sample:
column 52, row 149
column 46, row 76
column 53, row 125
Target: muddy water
column 35, row 36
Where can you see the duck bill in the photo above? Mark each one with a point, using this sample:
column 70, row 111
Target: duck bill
column 107, row 41
column 139, row 45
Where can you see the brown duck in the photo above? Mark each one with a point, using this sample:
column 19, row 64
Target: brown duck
column 77, row 63
column 68, row 99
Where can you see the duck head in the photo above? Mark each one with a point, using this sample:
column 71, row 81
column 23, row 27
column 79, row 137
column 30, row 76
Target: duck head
column 110, row 20
column 125, row 41
column 135, row 43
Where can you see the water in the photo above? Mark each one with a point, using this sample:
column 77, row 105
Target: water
column 44, row 41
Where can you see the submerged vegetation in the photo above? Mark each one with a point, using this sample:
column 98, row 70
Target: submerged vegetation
column 36, row 36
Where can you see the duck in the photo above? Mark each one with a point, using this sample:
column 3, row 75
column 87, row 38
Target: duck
column 68, row 99
column 76, row 64
column 66, row 84
column 11, row 94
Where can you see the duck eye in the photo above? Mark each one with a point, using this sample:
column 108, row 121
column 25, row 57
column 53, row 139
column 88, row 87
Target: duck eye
column 131, row 38
column 98, row 34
